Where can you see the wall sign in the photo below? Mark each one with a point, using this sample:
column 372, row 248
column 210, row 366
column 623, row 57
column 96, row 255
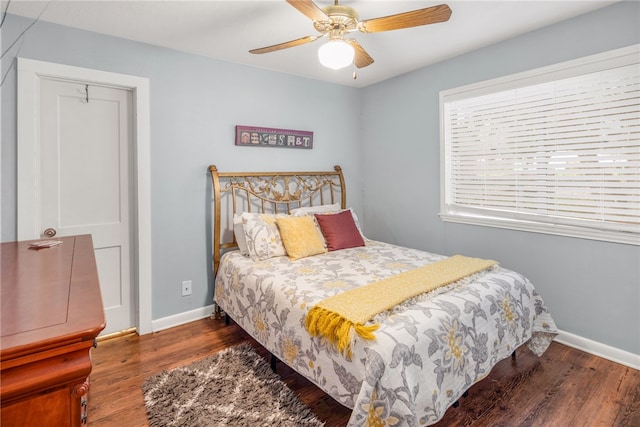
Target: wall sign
column 269, row 137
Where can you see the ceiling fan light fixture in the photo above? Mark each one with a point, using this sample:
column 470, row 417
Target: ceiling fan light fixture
column 336, row 54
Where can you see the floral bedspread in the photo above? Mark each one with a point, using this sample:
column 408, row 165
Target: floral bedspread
column 427, row 351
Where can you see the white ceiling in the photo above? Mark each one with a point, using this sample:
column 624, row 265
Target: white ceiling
column 227, row 30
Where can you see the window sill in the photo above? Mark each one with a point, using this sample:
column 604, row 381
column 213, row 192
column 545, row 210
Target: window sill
column 626, row 238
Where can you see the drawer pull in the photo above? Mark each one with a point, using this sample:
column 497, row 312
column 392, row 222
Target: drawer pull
column 80, row 389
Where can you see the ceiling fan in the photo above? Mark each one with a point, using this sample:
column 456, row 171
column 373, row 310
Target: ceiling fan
column 335, row 21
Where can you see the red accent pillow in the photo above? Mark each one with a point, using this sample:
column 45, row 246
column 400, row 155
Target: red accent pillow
column 339, row 230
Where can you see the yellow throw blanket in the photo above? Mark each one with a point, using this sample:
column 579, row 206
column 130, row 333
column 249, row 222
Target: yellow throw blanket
column 336, row 317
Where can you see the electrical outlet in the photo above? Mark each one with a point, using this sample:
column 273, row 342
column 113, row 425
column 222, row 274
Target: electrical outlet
column 186, row 288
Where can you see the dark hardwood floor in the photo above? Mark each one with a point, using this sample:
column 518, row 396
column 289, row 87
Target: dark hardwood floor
column 565, row 387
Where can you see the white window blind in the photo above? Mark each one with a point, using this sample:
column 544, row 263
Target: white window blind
column 554, row 150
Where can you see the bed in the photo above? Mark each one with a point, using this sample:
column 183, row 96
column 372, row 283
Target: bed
column 422, row 354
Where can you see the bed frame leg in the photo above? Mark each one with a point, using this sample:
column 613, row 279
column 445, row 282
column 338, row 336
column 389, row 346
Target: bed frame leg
column 513, row 356
column 457, row 402
column 273, row 362
column 217, row 314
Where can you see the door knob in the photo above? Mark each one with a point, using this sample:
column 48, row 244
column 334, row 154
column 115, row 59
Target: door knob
column 50, row 232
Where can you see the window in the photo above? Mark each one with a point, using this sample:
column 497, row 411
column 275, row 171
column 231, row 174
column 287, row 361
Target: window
column 554, row 150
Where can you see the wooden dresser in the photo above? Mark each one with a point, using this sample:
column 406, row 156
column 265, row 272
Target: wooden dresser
column 51, row 314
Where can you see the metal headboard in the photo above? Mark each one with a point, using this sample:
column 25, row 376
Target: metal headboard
column 267, row 192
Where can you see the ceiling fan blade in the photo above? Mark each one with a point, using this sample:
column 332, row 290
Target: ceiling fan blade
column 415, row 18
column 309, row 9
column 362, row 58
column 285, row 45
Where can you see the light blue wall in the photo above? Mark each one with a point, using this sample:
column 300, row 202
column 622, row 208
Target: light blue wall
column 592, row 288
column 195, row 104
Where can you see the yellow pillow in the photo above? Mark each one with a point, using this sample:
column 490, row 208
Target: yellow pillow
column 301, row 237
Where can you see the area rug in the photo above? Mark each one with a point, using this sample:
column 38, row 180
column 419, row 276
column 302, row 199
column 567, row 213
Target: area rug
column 234, row 387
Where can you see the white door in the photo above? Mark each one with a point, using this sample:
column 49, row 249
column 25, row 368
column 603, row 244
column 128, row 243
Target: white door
column 85, row 168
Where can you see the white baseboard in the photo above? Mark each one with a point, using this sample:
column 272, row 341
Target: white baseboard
column 181, row 318
column 598, row 349
column 592, row 347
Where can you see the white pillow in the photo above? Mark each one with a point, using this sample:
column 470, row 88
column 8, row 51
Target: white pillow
column 327, row 209
column 262, row 235
column 355, row 219
column 238, row 232
column 310, row 210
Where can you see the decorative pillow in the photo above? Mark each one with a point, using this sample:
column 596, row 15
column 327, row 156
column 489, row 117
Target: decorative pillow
column 238, row 232
column 262, row 235
column 310, row 210
column 301, row 236
column 355, row 219
column 339, row 230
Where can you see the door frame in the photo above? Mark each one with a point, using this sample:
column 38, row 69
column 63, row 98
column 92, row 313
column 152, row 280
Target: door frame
column 28, row 106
